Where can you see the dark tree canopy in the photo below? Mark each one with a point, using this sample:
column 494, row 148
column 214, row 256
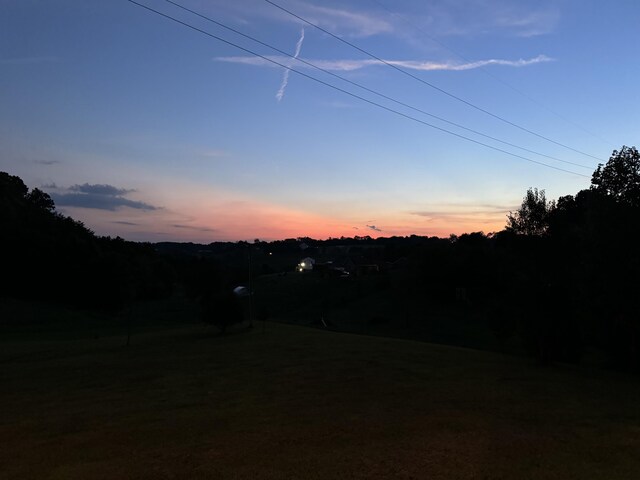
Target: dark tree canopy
column 562, row 277
column 532, row 218
column 620, row 177
column 40, row 200
column 585, row 261
column 47, row 256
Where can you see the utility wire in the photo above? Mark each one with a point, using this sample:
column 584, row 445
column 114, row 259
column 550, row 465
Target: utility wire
column 371, row 102
column 405, row 72
column 398, row 102
column 488, row 73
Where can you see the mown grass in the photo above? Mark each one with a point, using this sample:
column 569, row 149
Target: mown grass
column 294, row 402
column 380, row 305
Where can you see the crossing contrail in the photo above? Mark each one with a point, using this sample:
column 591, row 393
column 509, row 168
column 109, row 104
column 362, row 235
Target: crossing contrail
column 285, row 77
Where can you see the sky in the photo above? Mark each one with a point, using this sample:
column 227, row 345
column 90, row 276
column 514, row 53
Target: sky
column 147, row 129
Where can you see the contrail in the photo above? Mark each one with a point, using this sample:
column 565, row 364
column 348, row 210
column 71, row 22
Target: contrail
column 285, row 77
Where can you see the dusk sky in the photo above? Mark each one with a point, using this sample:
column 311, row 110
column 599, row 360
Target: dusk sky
column 144, row 128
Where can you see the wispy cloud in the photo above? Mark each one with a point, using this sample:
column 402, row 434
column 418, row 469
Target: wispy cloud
column 338, row 19
column 123, row 222
column 347, row 65
column 192, row 227
column 374, row 228
column 403, row 20
column 99, row 197
column 464, row 213
column 100, row 189
column 441, row 17
column 352, row 22
column 468, row 206
column 529, row 24
column 456, row 213
column 285, row 76
column 46, row 162
column 99, row 202
column 473, row 18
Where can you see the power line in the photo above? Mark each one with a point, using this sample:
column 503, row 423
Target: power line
column 398, row 102
column 405, row 72
column 371, row 102
column 488, row 73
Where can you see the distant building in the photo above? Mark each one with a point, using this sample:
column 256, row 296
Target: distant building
column 306, row 264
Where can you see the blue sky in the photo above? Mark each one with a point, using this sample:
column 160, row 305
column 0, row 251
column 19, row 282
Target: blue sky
column 143, row 128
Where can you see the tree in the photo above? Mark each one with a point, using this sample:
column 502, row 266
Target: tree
column 12, row 195
column 222, row 309
column 620, row 177
column 40, row 200
column 532, row 218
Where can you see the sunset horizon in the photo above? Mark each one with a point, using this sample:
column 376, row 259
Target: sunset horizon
column 217, row 121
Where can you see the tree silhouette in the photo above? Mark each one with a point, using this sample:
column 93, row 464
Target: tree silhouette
column 620, row 177
column 221, row 309
column 38, row 244
column 532, row 218
column 40, row 200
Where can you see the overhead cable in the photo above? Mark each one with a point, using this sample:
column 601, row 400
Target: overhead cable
column 386, row 97
column 346, row 92
column 431, row 85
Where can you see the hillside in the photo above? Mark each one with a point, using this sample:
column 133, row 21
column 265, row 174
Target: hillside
column 293, row 402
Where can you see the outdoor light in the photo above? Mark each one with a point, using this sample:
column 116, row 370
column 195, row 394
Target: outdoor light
column 302, row 264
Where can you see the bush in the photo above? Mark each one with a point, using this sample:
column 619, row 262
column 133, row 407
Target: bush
column 222, row 310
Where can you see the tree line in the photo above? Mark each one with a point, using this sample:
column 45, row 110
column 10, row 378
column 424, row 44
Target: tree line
column 47, row 256
column 582, row 262
column 562, row 276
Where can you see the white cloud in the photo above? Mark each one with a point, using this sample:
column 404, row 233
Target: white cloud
column 471, row 65
column 439, row 17
column 285, row 77
column 347, row 65
column 405, row 20
column 348, row 21
column 351, row 22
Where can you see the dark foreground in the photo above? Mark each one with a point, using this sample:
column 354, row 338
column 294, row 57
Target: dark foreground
column 294, row 402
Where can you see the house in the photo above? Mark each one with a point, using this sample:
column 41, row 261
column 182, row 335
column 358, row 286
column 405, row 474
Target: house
column 306, row 264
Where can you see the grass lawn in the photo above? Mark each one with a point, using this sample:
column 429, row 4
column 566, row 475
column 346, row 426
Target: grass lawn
column 300, row 403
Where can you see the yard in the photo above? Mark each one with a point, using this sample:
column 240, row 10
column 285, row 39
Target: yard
column 296, row 402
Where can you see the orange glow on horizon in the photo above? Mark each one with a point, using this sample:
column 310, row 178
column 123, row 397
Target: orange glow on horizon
column 201, row 216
